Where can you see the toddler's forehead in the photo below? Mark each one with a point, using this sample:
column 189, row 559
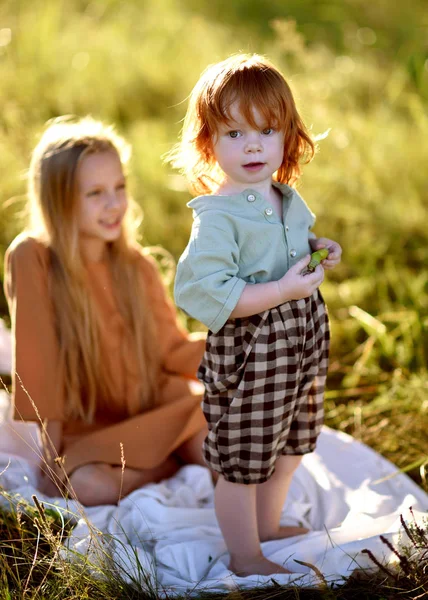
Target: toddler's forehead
column 242, row 114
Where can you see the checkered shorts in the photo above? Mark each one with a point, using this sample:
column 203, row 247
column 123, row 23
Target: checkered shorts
column 264, row 380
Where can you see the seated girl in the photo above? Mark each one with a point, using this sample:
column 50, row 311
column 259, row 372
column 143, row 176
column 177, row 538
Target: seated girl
column 99, row 358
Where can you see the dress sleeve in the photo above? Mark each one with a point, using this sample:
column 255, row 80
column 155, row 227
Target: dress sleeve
column 180, row 351
column 36, row 375
column 207, row 286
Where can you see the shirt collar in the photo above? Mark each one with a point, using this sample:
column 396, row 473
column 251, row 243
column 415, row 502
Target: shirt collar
column 213, row 201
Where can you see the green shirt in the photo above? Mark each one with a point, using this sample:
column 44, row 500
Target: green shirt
column 238, row 240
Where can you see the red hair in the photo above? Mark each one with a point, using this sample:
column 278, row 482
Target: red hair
column 254, row 83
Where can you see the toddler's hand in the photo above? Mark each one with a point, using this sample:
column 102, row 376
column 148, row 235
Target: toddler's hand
column 334, row 251
column 294, row 286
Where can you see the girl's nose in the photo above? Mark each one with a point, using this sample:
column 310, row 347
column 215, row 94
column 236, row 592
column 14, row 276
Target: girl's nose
column 112, row 200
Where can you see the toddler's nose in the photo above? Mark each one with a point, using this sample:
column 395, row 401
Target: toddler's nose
column 253, row 145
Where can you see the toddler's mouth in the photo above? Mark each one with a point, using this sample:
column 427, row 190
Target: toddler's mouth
column 253, row 166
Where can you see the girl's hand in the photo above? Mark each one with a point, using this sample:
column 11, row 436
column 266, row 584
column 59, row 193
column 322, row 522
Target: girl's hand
column 294, row 286
column 334, row 251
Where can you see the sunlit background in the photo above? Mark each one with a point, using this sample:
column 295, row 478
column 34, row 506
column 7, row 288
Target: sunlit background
column 359, row 72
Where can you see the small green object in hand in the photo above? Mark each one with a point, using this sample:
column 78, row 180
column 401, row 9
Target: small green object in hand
column 316, row 258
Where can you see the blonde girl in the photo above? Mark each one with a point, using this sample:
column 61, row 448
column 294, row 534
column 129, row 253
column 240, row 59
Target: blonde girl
column 98, row 355
column 243, row 275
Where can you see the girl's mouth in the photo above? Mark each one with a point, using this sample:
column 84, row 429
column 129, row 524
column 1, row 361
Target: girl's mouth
column 111, row 224
column 254, row 166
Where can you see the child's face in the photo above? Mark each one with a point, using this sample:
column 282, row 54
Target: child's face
column 248, row 156
column 102, row 200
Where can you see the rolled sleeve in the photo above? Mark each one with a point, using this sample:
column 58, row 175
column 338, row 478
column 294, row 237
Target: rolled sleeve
column 207, row 286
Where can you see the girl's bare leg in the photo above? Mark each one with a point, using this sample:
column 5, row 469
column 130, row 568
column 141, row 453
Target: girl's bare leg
column 270, row 500
column 190, row 451
column 236, row 511
column 99, row 483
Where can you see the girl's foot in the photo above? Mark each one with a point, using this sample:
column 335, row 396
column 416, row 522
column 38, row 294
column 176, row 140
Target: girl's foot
column 286, row 531
column 257, row 566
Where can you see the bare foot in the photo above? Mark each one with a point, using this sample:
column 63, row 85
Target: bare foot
column 256, row 566
column 285, row 531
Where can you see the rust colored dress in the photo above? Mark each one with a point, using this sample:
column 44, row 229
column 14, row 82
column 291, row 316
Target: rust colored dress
column 149, row 437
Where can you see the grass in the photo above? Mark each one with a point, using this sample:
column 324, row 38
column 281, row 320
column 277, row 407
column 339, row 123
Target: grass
column 359, row 71
column 33, row 565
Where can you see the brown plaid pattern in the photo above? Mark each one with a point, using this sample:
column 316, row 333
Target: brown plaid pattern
column 264, row 380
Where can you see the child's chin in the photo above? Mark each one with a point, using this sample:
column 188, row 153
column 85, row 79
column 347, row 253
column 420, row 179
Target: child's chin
column 111, row 237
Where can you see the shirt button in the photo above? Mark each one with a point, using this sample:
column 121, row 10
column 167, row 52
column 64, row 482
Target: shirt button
column 293, row 253
column 287, row 228
column 251, row 197
column 268, row 211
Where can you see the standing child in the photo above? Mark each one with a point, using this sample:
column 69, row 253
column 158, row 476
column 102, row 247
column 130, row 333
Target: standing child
column 98, row 353
column 243, row 275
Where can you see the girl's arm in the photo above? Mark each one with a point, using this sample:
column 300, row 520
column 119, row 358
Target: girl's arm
column 38, row 391
column 180, row 351
column 52, row 437
column 36, row 374
column 52, row 472
column 259, row 297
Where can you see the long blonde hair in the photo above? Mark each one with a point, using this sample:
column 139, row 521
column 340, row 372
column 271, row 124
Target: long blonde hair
column 253, row 82
column 52, row 191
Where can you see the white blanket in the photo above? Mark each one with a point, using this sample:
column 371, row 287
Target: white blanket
column 167, row 533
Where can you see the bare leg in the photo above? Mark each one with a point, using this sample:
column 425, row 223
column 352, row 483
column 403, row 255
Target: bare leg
column 99, row 483
column 235, row 505
column 270, row 500
column 190, row 451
